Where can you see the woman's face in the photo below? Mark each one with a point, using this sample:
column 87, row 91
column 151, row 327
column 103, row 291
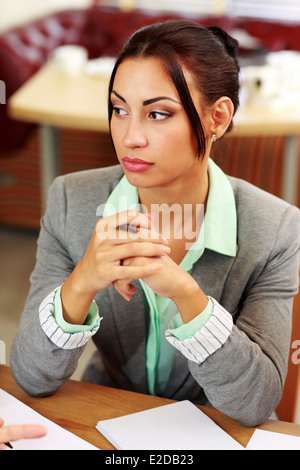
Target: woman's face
column 151, row 132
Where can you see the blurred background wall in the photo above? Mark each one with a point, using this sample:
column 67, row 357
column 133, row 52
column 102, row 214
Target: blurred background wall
column 17, row 12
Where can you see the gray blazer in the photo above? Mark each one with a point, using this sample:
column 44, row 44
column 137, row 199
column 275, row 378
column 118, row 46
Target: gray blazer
column 245, row 377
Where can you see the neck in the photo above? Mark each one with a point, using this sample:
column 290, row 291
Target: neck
column 177, row 209
column 194, row 191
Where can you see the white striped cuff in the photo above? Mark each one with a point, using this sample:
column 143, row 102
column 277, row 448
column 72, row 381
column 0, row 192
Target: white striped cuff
column 61, row 339
column 208, row 339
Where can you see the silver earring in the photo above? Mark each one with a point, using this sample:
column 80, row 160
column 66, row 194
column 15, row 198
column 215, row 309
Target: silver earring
column 213, row 138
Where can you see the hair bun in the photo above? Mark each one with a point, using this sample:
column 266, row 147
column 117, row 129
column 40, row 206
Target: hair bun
column 231, row 44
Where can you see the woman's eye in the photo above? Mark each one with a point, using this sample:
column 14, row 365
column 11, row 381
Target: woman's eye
column 159, row 116
column 119, row 111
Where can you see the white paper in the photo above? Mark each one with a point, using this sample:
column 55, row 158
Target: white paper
column 13, row 411
column 269, row 440
column 177, row 426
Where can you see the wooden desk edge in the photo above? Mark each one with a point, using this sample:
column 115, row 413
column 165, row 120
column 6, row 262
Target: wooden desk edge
column 17, row 112
column 111, row 403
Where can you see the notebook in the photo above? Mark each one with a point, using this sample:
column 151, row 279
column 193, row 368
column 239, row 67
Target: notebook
column 268, row 440
column 13, row 411
column 177, row 426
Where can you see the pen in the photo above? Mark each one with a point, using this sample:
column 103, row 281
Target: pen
column 8, row 444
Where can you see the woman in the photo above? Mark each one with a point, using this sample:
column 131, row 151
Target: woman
column 189, row 310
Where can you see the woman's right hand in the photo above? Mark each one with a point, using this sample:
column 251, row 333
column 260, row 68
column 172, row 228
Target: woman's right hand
column 125, row 235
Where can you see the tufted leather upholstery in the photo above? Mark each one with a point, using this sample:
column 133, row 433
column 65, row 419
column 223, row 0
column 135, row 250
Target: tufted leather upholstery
column 23, row 51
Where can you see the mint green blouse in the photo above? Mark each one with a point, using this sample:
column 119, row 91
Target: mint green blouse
column 218, row 233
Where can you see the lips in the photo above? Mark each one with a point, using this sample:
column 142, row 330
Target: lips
column 136, row 164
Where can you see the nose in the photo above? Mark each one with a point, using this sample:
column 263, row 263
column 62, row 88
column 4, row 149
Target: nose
column 134, row 136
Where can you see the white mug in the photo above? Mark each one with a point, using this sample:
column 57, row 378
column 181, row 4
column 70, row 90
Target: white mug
column 69, row 59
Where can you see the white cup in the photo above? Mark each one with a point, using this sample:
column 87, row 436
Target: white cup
column 69, row 59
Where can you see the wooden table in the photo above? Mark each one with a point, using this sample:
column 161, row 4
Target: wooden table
column 53, row 100
column 78, row 406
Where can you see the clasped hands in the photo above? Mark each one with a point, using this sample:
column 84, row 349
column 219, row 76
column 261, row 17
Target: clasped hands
column 146, row 251
column 125, row 246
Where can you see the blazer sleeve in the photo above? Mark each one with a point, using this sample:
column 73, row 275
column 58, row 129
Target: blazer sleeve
column 245, row 377
column 38, row 365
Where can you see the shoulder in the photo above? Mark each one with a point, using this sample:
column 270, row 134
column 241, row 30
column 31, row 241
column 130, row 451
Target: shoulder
column 87, row 186
column 96, row 179
column 261, row 205
column 72, row 207
column 74, row 198
column 263, row 217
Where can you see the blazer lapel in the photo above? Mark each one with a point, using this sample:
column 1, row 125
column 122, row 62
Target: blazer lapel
column 211, row 272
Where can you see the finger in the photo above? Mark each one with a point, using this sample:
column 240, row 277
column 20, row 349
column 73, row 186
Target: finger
column 1, row 422
column 134, row 219
column 125, row 289
column 140, row 234
column 25, row 431
column 142, row 221
column 137, row 272
column 123, row 219
column 137, row 249
column 123, row 222
column 117, row 254
column 150, row 234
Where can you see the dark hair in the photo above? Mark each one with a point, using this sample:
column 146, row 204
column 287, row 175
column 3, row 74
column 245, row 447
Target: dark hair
column 209, row 54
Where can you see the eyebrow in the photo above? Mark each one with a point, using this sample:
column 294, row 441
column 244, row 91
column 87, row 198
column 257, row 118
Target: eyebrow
column 150, row 101
column 159, row 98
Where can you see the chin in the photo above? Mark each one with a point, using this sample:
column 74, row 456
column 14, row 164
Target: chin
column 138, row 181
column 141, row 179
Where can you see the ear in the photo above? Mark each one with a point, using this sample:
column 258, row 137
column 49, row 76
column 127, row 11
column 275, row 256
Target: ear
column 221, row 116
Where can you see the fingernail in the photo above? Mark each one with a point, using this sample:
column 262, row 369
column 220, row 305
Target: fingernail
column 132, row 213
column 150, row 216
column 156, row 266
column 166, row 249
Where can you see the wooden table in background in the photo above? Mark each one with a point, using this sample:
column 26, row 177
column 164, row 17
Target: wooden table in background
column 78, row 406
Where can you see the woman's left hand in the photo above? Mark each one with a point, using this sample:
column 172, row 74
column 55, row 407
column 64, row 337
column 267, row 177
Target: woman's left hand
column 171, row 281
column 163, row 281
